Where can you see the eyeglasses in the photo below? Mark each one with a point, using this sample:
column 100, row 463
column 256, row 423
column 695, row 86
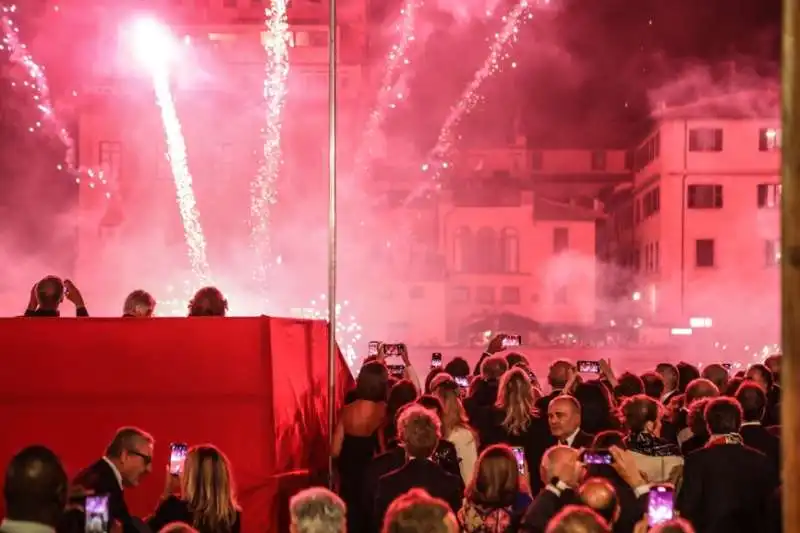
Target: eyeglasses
column 146, row 458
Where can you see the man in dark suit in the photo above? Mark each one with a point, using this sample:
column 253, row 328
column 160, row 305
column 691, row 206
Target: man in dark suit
column 48, row 295
column 127, row 459
column 35, row 492
column 753, row 400
column 558, row 376
column 727, row 486
column 419, row 432
column 564, row 419
column 669, row 373
column 560, row 472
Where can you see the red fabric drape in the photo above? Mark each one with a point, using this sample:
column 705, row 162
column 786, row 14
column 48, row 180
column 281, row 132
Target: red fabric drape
column 255, row 387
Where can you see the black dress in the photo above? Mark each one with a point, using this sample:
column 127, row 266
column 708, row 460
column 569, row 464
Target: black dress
column 174, row 509
column 354, row 458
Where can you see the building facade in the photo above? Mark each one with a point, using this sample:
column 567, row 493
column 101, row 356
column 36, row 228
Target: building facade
column 699, row 225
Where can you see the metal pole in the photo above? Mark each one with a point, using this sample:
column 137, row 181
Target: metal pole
column 790, row 266
column 332, row 58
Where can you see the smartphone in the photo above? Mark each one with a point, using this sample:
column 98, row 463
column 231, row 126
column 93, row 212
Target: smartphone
column 397, row 371
column 462, row 382
column 97, row 516
column 589, row 367
column 597, row 457
column 436, row 360
column 177, row 456
column 509, row 341
column 519, row 455
column 393, row 349
column 660, row 504
column 373, row 348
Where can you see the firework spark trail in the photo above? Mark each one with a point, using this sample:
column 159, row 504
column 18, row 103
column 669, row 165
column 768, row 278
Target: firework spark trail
column 390, row 92
column 470, row 97
column 176, row 155
column 263, row 189
column 19, row 54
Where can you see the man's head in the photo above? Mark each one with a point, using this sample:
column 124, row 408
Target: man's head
column 723, row 415
column 35, row 488
column 717, row 374
column 642, row 414
column 563, row 416
column 600, row 496
column 699, row 388
column 139, row 303
column 753, row 400
column 493, row 367
column 676, row 525
column 131, row 451
column 514, row 359
column 761, row 375
column 208, row 301
column 669, row 373
column 773, row 363
column 577, row 519
column 628, row 385
column 317, row 510
column 559, row 374
column 554, row 460
column 417, row 511
column 50, row 293
column 686, row 373
column 653, row 384
column 419, row 430
column 458, row 367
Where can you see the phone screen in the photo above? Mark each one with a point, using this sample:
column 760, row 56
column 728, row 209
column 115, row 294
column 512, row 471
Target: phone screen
column 393, row 349
column 512, row 340
column 396, row 370
column 373, row 348
column 436, row 360
column 519, row 455
column 177, row 455
column 597, row 457
column 589, row 367
column 462, row 381
column 96, row 508
column 660, row 505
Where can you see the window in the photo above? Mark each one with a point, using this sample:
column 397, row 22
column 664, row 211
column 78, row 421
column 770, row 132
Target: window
column 769, row 195
column 510, row 295
column 651, row 202
column 484, row 295
column 769, row 140
column 598, row 160
column 485, row 252
column 705, row 140
column 560, row 296
column 536, row 160
column 704, row 197
column 704, row 252
column 560, row 240
column 417, row 292
column 110, row 159
column 772, row 252
column 459, row 295
column 656, row 257
column 509, row 246
column 462, row 250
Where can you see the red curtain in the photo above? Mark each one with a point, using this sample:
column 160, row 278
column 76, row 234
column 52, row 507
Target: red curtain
column 254, row 387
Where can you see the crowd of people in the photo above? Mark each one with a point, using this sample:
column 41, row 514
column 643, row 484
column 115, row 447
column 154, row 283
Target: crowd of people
column 489, row 449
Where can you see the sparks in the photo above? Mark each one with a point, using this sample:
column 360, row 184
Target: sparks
column 498, row 54
column 392, row 89
column 348, row 330
column 19, row 54
column 275, row 41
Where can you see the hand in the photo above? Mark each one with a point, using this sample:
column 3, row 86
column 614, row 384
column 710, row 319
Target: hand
column 641, row 526
column 625, row 465
column 496, row 344
column 72, row 293
column 172, row 484
column 569, row 469
column 605, row 369
column 76, row 497
column 381, row 356
column 404, row 355
column 33, row 302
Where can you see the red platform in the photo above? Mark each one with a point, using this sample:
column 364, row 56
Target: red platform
column 255, row 387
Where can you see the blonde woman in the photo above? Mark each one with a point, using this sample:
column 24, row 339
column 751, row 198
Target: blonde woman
column 456, row 428
column 517, row 422
column 206, row 499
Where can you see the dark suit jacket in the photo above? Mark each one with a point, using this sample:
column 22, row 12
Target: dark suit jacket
column 416, row 473
column 759, row 438
column 543, row 402
column 544, row 507
column 582, row 440
column 176, row 510
column 100, row 479
column 726, row 489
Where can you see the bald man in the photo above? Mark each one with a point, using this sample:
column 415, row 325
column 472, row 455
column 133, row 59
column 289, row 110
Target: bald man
column 35, row 492
column 560, row 471
column 564, row 420
column 598, row 494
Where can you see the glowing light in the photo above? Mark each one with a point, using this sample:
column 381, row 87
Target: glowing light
column 275, row 41
column 18, row 53
column 153, row 42
column 700, row 322
column 348, row 330
column 498, row 53
column 392, row 88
